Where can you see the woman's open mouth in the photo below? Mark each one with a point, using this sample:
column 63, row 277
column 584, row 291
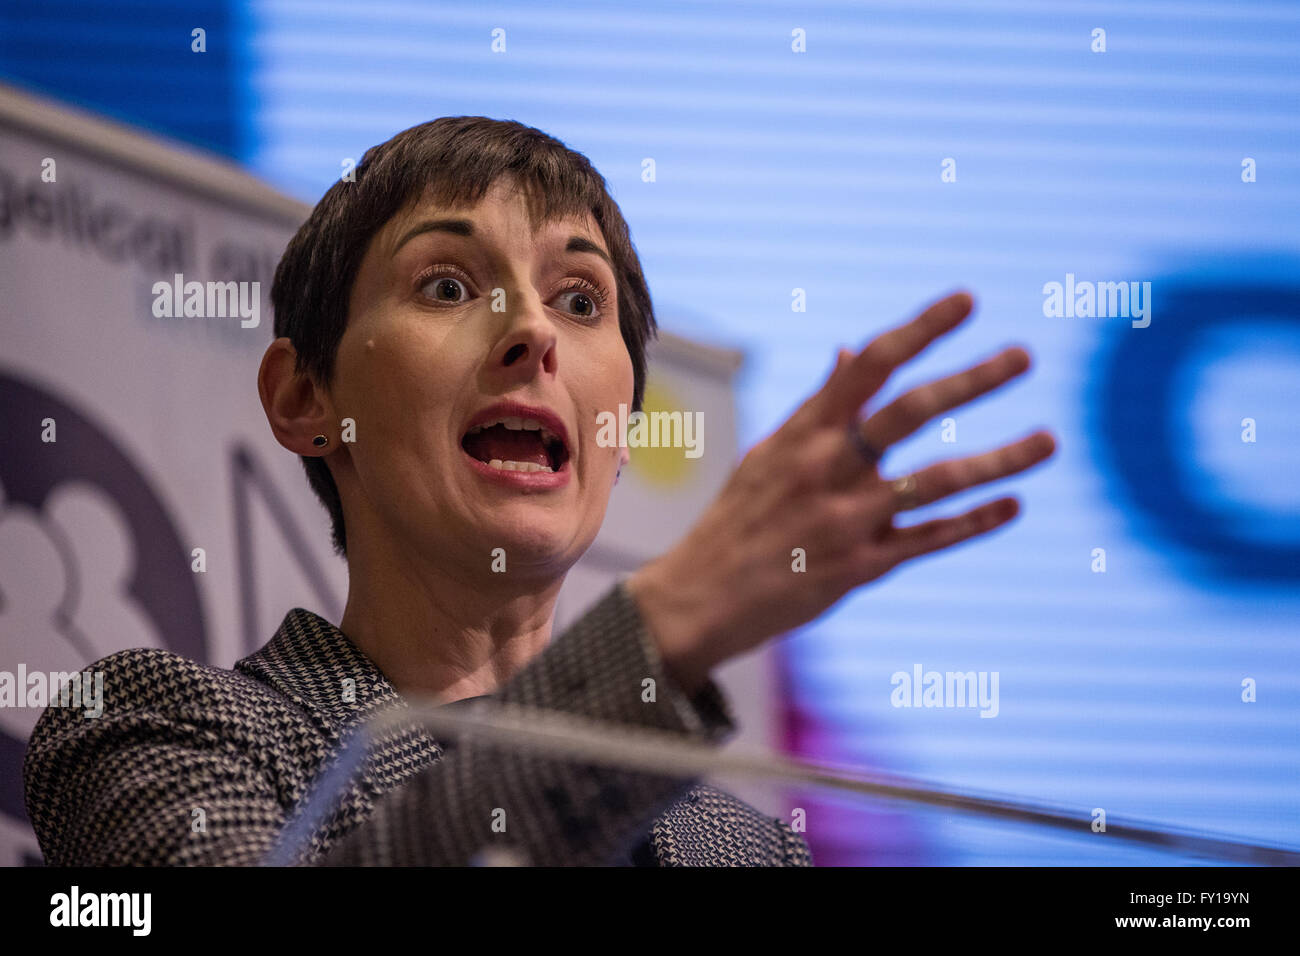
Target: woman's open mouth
column 516, row 444
column 518, row 448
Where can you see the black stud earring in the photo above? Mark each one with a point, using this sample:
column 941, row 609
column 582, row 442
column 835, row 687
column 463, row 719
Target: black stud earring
column 320, row 441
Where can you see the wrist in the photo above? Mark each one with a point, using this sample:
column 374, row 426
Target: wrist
column 676, row 623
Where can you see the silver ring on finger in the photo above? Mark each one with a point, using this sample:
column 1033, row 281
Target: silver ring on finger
column 905, row 494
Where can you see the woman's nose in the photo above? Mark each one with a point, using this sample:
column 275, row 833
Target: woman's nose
column 528, row 344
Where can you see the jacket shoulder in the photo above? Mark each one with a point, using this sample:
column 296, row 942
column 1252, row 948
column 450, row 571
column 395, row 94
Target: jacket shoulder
column 151, row 697
column 174, row 737
column 165, row 684
column 149, row 693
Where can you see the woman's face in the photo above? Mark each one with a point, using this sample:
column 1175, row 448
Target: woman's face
column 463, row 317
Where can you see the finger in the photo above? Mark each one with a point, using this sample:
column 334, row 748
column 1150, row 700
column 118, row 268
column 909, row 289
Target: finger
column 910, row 411
column 807, row 415
column 930, row 536
column 857, row 380
column 949, row 477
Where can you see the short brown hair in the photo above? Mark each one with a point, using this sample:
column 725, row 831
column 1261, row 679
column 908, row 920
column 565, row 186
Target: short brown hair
column 452, row 161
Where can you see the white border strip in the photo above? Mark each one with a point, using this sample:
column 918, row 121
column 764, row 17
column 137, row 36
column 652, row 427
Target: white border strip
column 148, row 155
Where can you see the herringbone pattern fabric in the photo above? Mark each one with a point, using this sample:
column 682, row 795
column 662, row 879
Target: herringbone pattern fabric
column 192, row 764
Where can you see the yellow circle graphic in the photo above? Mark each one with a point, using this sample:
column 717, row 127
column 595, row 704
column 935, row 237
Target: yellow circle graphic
column 662, row 467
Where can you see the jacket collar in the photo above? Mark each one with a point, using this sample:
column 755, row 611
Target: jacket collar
column 313, row 663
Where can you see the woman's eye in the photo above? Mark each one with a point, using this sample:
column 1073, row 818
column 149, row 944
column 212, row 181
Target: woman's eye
column 445, row 289
column 583, row 303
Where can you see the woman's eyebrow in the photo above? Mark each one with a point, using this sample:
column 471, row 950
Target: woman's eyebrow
column 579, row 244
column 465, row 228
column 457, row 227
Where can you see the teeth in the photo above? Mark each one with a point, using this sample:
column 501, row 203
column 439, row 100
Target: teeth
column 530, row 466
column 519, row 424
column 512, row 424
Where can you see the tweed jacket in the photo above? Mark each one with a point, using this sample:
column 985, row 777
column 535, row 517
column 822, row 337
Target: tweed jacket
column 193, row 764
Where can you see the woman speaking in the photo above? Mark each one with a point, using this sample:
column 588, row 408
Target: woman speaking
column 450, row 326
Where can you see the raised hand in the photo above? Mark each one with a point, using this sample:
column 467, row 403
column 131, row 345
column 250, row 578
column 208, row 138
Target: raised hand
column 814, row 484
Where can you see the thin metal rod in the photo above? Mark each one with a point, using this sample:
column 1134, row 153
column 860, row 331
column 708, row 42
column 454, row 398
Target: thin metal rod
column 651, row 751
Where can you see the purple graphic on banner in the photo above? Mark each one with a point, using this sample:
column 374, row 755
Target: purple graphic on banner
column 161, row 586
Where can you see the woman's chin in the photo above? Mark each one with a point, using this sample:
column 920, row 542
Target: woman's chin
column 529, row 540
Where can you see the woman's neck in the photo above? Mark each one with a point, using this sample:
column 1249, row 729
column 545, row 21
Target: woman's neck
column 438, row 633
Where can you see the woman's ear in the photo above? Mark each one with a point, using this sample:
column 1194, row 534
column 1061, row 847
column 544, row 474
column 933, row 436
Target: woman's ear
column 297, row 409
